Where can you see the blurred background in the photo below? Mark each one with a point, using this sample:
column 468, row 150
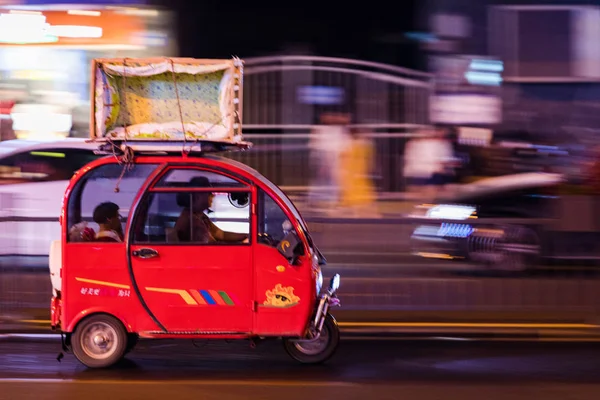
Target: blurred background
column 444, row 152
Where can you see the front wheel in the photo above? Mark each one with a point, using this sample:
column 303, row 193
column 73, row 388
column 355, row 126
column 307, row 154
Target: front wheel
column 99, row 341
column 319, row 351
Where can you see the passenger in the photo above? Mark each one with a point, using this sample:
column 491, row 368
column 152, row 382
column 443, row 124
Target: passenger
column 106, row 215
column 194, row 225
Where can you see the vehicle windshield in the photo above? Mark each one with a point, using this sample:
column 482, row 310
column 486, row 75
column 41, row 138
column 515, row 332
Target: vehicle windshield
column 298, row 216
column 288, row 203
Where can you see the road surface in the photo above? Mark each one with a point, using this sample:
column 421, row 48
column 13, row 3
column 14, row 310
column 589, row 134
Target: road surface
column 366, row 369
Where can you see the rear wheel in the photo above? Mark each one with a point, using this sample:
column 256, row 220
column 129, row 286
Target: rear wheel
column 319, row 351
column 99, row 341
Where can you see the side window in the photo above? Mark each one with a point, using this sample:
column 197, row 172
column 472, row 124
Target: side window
column 99, row 187
column 190, row 205
column 273, row 223
column 199, row 217
column 75, row 159
column 44, row 165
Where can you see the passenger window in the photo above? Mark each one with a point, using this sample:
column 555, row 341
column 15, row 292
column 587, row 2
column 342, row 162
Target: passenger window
column 273, row 223
column 99, row 187
column 199, row 217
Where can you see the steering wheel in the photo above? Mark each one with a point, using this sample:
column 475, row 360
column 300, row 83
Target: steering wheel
column 267, row 239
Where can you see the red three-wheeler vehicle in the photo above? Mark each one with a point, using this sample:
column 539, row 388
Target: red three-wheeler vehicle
column 163, row 243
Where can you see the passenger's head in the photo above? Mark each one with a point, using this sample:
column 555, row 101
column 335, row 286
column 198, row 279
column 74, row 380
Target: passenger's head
column 201, row 200
column 107, row 215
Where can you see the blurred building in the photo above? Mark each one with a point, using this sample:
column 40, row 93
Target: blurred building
column 539, row 60
column 45, row 51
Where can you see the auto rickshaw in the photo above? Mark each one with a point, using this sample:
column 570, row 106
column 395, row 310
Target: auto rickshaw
column 166, row 239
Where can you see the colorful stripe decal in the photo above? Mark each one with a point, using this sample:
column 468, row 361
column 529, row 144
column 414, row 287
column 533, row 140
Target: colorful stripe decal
column 102, row 283
column 207, row 297
column 184, row 294
column 226, row 298
column 197, row 296
column 218, row 299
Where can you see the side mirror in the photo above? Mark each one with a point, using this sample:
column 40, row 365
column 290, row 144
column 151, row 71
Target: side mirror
column 290, row 247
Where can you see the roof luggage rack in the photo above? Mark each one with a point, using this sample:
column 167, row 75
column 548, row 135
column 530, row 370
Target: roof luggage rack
column 167, row 148
column 174, row 106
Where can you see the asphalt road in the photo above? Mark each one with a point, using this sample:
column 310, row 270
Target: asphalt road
column 372, row 369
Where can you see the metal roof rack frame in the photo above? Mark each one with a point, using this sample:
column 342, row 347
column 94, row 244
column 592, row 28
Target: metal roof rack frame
column 166, row 148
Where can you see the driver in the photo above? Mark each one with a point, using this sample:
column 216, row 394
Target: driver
column 193, row 224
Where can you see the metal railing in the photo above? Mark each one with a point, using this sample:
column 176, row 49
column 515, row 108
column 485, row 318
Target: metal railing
column 390, row 102
column 285, row 158
column 378, row 95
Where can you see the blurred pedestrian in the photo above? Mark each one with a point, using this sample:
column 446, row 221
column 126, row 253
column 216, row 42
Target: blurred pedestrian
column 428, row 161
column 327, row 142
column 358, row 194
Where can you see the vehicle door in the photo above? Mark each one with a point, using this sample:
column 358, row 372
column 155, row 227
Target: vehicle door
column 284, row 286
column 189, row 282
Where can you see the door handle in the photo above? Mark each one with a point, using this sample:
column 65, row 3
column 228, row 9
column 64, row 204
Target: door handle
column 145, row 253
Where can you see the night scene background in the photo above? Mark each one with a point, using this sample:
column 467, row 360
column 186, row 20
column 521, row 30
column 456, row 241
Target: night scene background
column 443, row 155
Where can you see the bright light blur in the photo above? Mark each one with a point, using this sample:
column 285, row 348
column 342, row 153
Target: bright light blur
column 45, row 57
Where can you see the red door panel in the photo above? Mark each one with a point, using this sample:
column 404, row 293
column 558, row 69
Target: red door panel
column 283, row 293
column 98, row 280
column 199, row 288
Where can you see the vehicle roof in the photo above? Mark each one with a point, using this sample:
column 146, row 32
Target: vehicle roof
column 506, row 183
column 149, row 158
column 8, row 147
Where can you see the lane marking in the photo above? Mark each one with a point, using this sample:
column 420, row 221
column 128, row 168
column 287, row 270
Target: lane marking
column 54, row 336
column 35, row 321
column 467, row 325
column 179, row 382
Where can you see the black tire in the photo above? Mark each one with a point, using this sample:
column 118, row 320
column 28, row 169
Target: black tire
column 301, row 354
column 132, row 341
column 96, row 333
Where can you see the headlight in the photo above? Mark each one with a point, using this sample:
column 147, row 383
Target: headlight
column 444, row 211
column 334, row 284
column 450, row 211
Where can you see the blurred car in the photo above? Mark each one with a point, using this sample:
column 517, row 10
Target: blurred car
column 33, row 180
column 34, row 176
column 511, row 222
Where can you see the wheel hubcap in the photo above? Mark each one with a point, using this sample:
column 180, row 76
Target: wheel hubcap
column 99, row 340
column 316, row 347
